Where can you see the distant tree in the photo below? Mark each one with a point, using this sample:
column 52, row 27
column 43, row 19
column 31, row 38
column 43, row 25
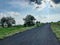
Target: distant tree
column 58, row 22
column 7, row 21
column 37, row 23
column 29, row 20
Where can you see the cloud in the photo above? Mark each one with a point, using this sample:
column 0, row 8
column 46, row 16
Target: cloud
column 56, row 1
column 25, row 3
column 35, row 4
column 48, row 18
column 51, row 3
column 42, row 18
column 17, row 16
column 38, row 7
column 18, row 5
column 36, row 1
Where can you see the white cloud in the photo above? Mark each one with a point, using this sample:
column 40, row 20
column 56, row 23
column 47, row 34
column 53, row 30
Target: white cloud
column 39, row 7
column 17, row 16
column 45, row 4
column 26, row 3
column 42, row 18
column 54, row 5
column 48, row 18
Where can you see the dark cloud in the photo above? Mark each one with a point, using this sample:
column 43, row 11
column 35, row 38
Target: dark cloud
column 56, row 1
column 36, row 1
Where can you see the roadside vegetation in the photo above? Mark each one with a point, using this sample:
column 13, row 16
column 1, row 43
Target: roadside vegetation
column 5, row 32
column 56, row 29
column 7, row 28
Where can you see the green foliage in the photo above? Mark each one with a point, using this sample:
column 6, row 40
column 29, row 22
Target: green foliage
column 29, row 20
column 56, row 29
column 7, row 21
column 37, row 23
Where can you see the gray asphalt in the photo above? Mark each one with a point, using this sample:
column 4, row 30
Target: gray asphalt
column 38, row 36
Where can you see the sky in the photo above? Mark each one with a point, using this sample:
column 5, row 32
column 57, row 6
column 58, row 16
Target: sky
column 43, row 10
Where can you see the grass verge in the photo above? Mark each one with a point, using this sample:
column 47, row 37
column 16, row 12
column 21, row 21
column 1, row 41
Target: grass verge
column 56, row 30
column 5, row 32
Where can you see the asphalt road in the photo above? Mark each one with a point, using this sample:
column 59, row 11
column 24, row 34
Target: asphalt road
column 38, row 36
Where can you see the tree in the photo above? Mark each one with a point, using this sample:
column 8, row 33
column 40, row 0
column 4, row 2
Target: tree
column 37, row 23
column 58, row 23
column 7, row 21
column 29, row 20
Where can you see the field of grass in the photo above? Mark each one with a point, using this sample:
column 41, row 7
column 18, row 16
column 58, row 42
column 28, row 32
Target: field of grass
column 5, row 32
column 56, row 30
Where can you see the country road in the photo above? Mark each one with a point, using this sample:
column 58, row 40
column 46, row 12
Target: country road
column 37, row 36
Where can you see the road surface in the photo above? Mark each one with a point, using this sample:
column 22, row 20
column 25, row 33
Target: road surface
column 38, row 36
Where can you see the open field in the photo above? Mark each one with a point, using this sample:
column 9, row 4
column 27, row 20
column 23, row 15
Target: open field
column 56, row 30
column 5, row 32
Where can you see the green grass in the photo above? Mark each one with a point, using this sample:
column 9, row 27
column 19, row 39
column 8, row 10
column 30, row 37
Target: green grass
column 5, row 32
column 56, row 30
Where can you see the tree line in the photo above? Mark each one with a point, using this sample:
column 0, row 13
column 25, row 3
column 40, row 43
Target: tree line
column 29, row 20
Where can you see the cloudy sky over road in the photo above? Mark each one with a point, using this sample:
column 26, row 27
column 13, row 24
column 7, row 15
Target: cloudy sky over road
column 42, row 10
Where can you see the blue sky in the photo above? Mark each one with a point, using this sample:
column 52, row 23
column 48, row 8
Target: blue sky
column 42, row 10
